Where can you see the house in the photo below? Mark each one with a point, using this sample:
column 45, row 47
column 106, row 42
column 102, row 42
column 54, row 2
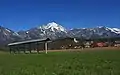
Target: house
column 101, row 44
column 87, row 44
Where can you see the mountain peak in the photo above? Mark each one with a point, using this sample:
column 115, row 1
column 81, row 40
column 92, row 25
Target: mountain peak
column 53, row 26
column 1, row 26
column 101, row 26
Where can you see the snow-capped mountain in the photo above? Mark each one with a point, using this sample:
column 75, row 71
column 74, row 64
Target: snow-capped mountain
column 100, row 31
column 55, row 31
column 7, row 35
column 51, row 30
column 54, row 27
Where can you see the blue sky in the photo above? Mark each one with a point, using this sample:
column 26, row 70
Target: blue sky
column 25, row 14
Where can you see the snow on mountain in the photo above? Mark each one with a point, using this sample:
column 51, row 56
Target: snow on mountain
column 54, row 27
column 99, row 31
column 51, row 30
column 8, row 30
column 7, row 35
column 115, row 30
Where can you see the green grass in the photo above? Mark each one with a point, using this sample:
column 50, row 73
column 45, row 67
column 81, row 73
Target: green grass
column 61, row 63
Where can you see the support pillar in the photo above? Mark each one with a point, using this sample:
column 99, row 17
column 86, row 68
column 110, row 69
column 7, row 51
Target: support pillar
column 10, row 49
column 14, row 50
column 24, row 49
column 46, row 47
column 37, row 47
column 30, row 47
column 18, row 49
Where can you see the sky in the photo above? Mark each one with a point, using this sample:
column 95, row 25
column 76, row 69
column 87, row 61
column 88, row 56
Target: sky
column 25, row 14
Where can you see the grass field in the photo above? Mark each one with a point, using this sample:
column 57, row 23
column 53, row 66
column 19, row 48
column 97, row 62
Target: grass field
column 104, row 62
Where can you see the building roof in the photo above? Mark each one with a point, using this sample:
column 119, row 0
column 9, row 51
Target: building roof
column 29, row 41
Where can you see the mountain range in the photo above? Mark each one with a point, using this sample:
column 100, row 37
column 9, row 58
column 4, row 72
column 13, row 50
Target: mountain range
column 55, row 31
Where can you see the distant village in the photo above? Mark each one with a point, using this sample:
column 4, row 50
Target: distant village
column 73, row 43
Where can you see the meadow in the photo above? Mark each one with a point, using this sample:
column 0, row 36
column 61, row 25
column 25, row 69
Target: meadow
column 102, row 62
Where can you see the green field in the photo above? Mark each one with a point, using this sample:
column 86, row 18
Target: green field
column 105, row 62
